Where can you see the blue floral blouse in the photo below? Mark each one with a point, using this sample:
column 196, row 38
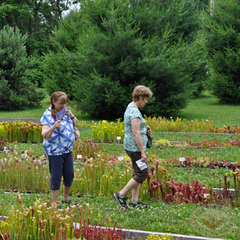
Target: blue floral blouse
column 62, row 138
column 133, row 112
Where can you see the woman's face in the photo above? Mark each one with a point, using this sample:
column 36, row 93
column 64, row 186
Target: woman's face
column 60, row 104
column 142, row 101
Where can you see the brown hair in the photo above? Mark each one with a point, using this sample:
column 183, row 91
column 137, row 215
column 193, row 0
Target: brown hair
column 56, row 96
column 142, row 91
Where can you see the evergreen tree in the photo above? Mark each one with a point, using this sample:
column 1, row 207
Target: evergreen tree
column 16, row 91
column 222, row 28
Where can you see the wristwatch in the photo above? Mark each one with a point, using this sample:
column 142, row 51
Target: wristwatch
column 72, row 117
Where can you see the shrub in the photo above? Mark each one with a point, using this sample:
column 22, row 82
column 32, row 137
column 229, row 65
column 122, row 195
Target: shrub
column 16, row 91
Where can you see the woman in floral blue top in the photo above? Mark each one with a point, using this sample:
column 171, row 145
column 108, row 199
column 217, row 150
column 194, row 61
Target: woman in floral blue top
column 135, row 141
column 57, row 130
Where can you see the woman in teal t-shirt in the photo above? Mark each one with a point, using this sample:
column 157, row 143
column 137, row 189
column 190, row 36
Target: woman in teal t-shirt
column 135, row 141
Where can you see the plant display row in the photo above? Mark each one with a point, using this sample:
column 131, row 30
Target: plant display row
column 205, row 143
column 21, row 131
column 41, row 221
column 108, row 132
column 99, row 176
column 182, row 125
column 202, row 162
column 170, row 191
column 113, row 132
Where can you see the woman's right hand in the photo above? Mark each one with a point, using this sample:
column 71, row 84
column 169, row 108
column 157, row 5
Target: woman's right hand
column 47, row 130
column 57, row 124
column 144, row 157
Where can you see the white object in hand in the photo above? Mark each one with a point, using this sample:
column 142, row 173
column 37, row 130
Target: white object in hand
column 141, row 165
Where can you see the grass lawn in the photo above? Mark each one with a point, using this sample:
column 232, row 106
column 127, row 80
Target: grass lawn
column 208, row 107
column 159, row 217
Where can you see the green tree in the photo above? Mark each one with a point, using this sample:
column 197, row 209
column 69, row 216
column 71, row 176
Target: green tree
column 125, row 43
column 16, row 91
column 223, row 44
column 36, row 18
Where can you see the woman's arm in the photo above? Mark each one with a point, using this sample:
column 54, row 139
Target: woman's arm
column 135, row 123
column 47, row 130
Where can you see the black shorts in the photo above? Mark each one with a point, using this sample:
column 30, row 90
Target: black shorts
column 138, row 174
column 61, row 165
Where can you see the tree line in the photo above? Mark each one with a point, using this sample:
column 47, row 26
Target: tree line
column 100, row 52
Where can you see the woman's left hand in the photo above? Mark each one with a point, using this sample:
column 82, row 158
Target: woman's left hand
column 149, row 132
column 69, row 112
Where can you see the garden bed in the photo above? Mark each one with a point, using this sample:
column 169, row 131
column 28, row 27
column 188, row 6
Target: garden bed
column 131, row 234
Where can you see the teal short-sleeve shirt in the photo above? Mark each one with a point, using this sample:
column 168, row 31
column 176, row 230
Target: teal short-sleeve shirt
column 129, row 143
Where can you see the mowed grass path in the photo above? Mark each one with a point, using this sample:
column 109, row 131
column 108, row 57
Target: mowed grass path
column 208, row 107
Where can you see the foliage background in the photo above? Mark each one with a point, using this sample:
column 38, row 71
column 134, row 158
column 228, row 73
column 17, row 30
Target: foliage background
column 101, row 51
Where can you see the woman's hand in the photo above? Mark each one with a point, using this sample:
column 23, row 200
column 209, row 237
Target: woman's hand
column 57, row 124
column 143, row 157
column 149, row 132
column 75, row 121
column 69, row 112
column 47, row 130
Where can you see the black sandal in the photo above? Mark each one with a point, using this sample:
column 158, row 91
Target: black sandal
column 120, row 200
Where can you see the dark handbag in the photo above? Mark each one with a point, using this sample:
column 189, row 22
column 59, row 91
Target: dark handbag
column 149, row 142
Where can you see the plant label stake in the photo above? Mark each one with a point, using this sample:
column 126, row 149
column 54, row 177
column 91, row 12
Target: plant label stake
column 181, row 159
column 118, row 138
column 79, row 156
column 120, row 158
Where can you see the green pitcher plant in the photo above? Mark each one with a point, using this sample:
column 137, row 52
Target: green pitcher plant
column 180, row 125
column 21, row 131
column 108, row 132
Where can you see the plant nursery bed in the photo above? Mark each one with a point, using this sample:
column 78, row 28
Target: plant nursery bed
column 131, row 234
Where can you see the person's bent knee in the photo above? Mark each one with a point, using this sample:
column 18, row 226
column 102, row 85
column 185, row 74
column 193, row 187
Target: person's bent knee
column 140, row 178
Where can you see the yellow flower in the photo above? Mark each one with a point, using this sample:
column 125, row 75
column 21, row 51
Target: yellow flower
column 99, row 214
column 91, row 212
column 231, row 173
